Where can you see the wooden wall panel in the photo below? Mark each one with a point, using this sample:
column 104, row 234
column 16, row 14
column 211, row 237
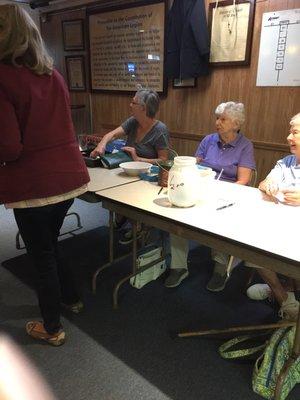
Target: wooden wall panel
column 268, row 109
column 51, row 27
column 265, row 160
column 191, row 111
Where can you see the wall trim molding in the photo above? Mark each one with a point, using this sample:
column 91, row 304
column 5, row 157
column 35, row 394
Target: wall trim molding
column 257, row 144
column 196, row 138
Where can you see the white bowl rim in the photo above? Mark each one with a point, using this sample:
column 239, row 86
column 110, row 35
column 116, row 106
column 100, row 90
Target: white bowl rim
column 135, row 165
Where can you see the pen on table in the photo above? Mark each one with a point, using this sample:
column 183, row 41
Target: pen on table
column 227, row 205
column 159, row 192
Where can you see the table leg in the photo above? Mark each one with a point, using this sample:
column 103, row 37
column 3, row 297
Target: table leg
column 127, row 278
column 111, row 237
column 134, row 257
column 135, row 270
column 134, row 245
column 111, row 254
column 112, row 260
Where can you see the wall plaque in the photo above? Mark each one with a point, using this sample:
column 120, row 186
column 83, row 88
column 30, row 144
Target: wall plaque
column 75, row 73
column 73, row 36
column 231, row 26
column 127, row 47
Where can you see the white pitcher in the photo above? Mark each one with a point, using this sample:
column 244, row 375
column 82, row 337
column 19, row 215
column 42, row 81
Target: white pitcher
column 187, row 184
column 181, row 182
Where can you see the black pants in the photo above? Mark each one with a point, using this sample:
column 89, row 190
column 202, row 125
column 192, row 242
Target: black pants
column 39, row 228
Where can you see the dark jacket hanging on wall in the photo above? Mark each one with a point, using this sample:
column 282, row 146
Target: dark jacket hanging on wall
column 187, row 40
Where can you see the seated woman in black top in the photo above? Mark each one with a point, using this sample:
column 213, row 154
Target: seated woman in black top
column 147, row 138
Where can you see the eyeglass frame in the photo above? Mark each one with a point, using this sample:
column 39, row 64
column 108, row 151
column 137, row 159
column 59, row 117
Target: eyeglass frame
column 136, row 103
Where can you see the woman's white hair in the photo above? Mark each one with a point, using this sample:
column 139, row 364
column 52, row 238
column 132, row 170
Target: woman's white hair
column 295, row 120
column 235, row 111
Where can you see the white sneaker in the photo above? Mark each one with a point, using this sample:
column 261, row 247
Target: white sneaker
column 259, row 291
column 289, row 308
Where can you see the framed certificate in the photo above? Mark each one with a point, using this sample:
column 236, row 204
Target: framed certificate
column 76, row 73
column 73, row 34
column 231, row 28
column 127, row 47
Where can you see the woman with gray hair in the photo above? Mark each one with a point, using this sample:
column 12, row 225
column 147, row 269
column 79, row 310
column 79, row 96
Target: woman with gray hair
column 228, row 151
column 147, row 138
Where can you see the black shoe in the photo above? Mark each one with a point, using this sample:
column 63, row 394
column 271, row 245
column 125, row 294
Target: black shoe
column 119, row 222
column 217, row 282
column 126, row 237
column 176, row 276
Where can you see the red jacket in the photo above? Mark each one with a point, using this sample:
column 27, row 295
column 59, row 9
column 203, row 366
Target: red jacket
column 39, row 155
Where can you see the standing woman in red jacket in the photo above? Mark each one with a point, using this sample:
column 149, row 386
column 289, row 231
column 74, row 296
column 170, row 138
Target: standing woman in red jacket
column 41, row 168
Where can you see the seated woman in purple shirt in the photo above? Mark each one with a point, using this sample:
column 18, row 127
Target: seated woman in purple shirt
column 227, row 150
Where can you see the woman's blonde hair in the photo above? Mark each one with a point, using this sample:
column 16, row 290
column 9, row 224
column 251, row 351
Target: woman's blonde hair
column 21, row 42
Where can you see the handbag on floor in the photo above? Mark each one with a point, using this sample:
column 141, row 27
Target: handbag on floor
column 269, row 365
column 152, row 273
column 246, row 347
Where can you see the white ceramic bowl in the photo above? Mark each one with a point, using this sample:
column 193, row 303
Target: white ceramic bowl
column 134, row 168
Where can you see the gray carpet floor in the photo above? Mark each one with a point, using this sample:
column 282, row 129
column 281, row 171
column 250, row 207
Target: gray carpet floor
column 129, row 353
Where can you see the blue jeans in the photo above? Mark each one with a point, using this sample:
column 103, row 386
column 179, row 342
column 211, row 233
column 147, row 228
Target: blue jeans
column 39, row 228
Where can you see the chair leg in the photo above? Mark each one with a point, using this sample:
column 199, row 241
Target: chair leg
column 78, row 222
column 229, row 267
column 250, row 278
column 76, row 215
column 235, row 329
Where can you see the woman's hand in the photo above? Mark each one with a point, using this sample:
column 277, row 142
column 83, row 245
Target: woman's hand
column 291, row 196
column 98, row 151
column 131, row 151
column 269, row 186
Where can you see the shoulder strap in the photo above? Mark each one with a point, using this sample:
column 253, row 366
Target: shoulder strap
column 241, row 353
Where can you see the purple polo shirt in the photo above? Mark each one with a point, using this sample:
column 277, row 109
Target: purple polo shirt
column 229, row 156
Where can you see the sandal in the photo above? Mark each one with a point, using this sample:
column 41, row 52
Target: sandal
column 36, row 330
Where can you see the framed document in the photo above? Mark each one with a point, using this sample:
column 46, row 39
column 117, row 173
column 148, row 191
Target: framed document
column 184, row 83
column 76, row 73
column 73, row 34
column 231, row 27
column 127, row 47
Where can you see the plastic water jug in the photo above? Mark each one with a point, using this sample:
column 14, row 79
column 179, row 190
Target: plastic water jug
column 187, row 184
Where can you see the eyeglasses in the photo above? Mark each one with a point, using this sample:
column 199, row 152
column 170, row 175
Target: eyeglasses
column 135, row 103
column 294, row 131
